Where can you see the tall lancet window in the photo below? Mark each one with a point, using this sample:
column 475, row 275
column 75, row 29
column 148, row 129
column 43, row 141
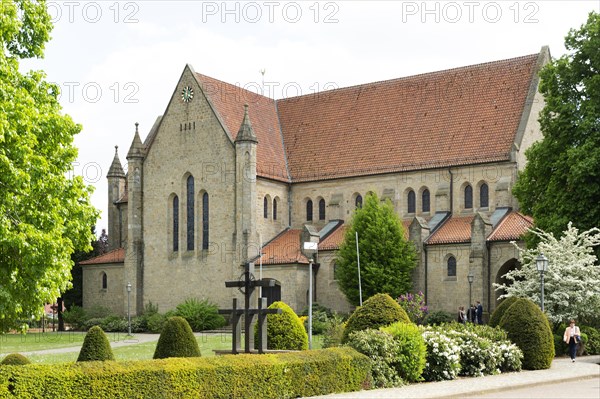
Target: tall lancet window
column 411, row 202
column 425, row 200
column 309, row 210
column 176, row 223
column 205, row 221
column 468, row 197
column 190, row 213
column 484, row 196
column 321, row 209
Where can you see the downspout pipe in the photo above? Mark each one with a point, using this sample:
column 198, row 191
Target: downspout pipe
column 451, row 190
column 425, row 252
column 489, row 273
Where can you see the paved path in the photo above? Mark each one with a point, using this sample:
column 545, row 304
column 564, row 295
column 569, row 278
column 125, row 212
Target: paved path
column 116, row 340
column 562, row 370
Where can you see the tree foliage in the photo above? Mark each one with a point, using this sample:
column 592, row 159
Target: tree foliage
column 572, row 282
column 560, row 181
column 45, row 214
column 386, row 257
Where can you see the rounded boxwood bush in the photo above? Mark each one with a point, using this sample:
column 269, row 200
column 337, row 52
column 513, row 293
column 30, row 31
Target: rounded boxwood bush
column 176, row 340
column 15, row 359
column 438, row 317
column 500, row 309
column 412, row 352
column 380, row 310
column 285, row 330
column 95, row 346
column 592, row 347
column 529, row 329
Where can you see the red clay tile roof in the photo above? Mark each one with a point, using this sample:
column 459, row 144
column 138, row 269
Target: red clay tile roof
column 511, row 227
column 455, row 230
column 228, row 101
column 114, row 256
column 453, row 117
column 283, row 249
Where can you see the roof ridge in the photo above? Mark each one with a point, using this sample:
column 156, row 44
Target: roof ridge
column 419, row 75
column 236, row 85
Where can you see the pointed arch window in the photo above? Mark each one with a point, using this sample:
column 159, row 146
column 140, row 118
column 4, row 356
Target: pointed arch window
column 358, row 202
column 452, row 266
column 104, row 281
column 425, row 199
column 411, row 201
column 190, row 213
column 205, row 226
column 175, row 223
column 321, row 209
column 484, row 196
column 265, row 208
column 468, row 197
column 309, row 210
column 275, row 209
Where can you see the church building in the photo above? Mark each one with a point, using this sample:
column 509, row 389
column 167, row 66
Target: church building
column 227, row 176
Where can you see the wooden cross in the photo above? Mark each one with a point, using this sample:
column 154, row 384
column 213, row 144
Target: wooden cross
column 246, row 285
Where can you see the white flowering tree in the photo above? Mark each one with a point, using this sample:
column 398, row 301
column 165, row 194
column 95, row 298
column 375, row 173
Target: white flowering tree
column 572, row 281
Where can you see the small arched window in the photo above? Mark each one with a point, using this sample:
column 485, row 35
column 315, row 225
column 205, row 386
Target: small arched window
column 275, row 209
column 265, row 208
column 205, row 221
column 468, row 197
column 411, row 201
column 190, row 213
column 104, row 281
column 321, row 209
column 452, row 266
column 309, row 210
column 175, row 223
column 484, row 196
column 425, row 200
column 358, row 201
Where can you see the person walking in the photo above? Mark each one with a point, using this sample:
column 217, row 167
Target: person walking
column 479, row 313
column 471, row 314
column 572, row 337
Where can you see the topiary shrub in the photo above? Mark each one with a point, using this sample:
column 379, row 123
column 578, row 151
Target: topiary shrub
column 334, row 331
column 285, row 330
column 380, row 310
column 176, row 340
column 438, row 317
column 411, row 356
column 15, row 359
column 500, row 309
column 529, row 329
column 95, row 346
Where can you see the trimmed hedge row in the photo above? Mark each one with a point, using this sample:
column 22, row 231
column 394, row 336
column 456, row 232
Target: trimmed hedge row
column 286, row 375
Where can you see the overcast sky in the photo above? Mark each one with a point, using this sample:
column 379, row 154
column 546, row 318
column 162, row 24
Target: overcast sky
column 118, row 62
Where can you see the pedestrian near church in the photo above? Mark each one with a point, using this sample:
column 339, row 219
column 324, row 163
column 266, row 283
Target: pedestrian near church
column 471, row 314
column 479, row 313
column 462, row 317
column 572, row 337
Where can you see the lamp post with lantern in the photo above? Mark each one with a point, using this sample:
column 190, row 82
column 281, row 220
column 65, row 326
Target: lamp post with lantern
column 541, row 262
column 128, row 308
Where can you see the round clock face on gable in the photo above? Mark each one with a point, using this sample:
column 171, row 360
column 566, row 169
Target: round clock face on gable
column 187, row 94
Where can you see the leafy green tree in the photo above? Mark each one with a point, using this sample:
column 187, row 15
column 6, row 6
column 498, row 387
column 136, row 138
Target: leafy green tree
column 45, row 214
column 386, row 257
column 560, row 181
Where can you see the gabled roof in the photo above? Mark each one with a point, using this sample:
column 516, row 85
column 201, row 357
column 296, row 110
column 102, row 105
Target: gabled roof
column 114, row 256
column 228, row 101
column 511, row 228
column 455, row 117
column 455, row 230
column 283, row 249
column 335, row 238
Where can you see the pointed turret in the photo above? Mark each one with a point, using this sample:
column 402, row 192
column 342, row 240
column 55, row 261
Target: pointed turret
column 246, row 133
column 137, row 148
column 116, row 169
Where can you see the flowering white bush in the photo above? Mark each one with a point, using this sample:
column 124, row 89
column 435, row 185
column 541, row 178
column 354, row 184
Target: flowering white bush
column 572, row 282
column 511, row 355
column 478, row 355
column 443, row 356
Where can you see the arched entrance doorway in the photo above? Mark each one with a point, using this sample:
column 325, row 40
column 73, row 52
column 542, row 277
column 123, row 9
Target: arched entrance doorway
column 509, row 265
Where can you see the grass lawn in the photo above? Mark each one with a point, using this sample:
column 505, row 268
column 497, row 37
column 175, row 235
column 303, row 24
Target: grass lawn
column 136, row 351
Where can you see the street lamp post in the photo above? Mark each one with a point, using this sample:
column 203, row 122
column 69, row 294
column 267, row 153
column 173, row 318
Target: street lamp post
column 128, row 309
column 310, row 248
column 470, row 278
column 541, row 262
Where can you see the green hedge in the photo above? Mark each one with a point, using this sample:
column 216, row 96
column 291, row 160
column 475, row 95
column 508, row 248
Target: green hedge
column 286, row 375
